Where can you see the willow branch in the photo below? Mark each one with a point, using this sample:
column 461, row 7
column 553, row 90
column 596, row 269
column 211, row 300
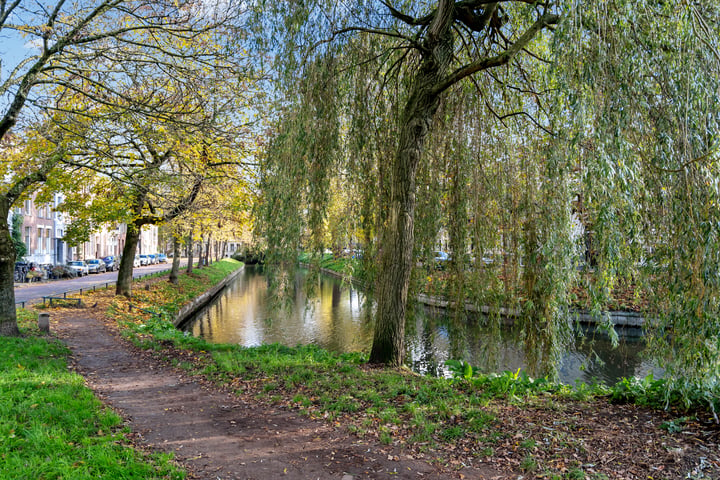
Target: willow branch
column 407, row 18
column 498, row 60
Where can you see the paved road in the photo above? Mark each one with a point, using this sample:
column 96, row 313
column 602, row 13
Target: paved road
column 33, row 292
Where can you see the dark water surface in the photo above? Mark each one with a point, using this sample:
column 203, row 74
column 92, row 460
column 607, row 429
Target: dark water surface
column 337, row 317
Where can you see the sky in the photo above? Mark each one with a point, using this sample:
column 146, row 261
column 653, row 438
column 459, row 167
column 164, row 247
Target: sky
column 12, row 50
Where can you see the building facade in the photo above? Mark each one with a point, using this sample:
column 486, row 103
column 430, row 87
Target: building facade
column 43, row 230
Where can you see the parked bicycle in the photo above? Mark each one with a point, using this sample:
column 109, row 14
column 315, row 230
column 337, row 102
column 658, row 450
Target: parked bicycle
column 21, row 270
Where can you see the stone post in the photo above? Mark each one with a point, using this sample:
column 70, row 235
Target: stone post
column 44, row 322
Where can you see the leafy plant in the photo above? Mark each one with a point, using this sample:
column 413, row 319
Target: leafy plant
column 676, row 425
column 460, row 369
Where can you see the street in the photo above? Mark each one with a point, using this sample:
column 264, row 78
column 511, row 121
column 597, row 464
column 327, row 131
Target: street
column 33, row 292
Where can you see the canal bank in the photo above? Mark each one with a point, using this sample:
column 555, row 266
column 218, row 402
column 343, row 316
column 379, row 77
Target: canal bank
column 619, row 318
column 471, row 422
column 198, row 303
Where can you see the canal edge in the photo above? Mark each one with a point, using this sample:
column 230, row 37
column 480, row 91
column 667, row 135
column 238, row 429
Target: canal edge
column 619, row 318
column 199, row 302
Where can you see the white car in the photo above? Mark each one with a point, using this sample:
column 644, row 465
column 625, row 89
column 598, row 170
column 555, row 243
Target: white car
column 80, row 267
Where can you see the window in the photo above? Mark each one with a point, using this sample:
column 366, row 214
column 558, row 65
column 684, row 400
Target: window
column 28, row 207
column 39, row 244
column 48, row 240
column 27, row 238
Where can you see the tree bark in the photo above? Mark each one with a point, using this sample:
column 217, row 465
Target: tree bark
column 175, row 270
column 201, row 243
column 207, row 250
column 190, row 253
column 396, row 256
column 8, row 316
column 125, row 271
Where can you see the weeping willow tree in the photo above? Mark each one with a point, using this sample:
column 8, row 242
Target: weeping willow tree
column 408, row 57
column 531, row 138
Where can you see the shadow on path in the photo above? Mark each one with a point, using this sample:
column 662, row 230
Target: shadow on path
column 216, row 435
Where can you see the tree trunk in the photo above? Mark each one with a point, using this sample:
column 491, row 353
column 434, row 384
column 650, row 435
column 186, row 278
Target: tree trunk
column 207, row 250
column 174, row 271
column 397, row 239
column 125, row 272
column 190, row 251
column 8, row 316
column 200, row 253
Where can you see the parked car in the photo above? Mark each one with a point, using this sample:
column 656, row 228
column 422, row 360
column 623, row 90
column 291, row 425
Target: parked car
column 80, row 267
column 152, row 258
column 95, row 265
column 162, row 258
column 144, row 260
column 136, row 261
column 111, row 263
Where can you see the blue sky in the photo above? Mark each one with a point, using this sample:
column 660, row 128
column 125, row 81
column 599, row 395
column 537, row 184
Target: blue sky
column 13, row 48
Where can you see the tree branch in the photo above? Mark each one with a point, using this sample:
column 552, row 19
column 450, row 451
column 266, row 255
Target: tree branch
column 470, row 19
column 5, row 12
column 407, row 18
column 498, row 60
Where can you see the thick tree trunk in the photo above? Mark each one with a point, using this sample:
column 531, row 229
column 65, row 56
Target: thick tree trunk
column 175, row 270
column 125, row 272
column 397, row 239
column 8, row 316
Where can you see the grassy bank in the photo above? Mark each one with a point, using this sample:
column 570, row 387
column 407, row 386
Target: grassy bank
column 447, row 420
column 53, row 427
column 527, row 425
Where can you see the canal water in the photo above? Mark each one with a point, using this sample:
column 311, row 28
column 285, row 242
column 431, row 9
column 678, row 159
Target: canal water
column 338, row 318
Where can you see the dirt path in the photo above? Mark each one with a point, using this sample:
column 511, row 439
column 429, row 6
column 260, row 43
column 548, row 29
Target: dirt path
column 216, row 435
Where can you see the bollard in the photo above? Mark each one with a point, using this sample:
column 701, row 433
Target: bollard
column 44, row 322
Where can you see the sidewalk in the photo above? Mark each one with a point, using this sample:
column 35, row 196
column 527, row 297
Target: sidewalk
column 217, row 435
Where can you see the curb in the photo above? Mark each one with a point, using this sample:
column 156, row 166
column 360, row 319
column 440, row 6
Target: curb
column 198, row 303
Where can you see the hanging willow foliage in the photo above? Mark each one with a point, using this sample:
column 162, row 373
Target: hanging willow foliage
column 644, row 104
column 590, row 160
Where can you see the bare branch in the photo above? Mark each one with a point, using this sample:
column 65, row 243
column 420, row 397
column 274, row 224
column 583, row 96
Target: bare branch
column 498, row 60
column 407, row 18
column 338, row 33
column 5, row 11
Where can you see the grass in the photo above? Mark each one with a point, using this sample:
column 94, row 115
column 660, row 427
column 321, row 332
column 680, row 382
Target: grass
column 395, row 406
column 53, row 427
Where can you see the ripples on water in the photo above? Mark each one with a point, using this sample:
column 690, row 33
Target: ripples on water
column 339, row 319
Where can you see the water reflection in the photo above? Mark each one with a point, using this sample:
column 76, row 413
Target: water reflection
column 339, row 319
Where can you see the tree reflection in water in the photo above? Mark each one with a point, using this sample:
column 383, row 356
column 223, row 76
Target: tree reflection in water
column 339, row 318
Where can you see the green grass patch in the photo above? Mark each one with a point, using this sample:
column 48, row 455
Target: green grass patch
column 393, row 405
column 52, row 426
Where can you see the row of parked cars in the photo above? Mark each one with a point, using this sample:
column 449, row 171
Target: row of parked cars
column 94, row 265
column 111, row 263
column 151, row 259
